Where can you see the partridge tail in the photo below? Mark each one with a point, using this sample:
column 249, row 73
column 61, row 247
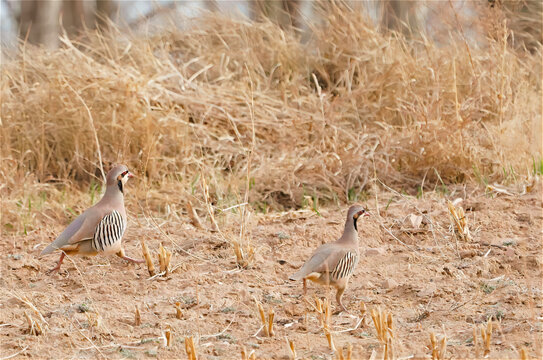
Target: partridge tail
column 299, row 275
column 49, row 249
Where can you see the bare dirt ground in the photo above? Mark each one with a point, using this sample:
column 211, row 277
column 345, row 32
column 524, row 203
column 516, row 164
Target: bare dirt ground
column 427, row 279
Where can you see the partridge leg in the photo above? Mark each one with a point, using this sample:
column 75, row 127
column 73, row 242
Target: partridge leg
column 123, row 256
column 305, row 287
column 57, row 268
column 339, row 294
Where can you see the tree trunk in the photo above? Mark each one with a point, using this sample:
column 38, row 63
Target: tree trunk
column 73, row 16
column 401, row 16
column 105, row 9
column 39, row 21
column 292, row 10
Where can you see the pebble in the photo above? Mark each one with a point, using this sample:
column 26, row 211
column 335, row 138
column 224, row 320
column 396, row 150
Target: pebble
column 374, row 252
column 510, row 252
column 389, row 284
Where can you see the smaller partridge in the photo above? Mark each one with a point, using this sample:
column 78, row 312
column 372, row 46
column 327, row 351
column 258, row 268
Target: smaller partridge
column 334, row 263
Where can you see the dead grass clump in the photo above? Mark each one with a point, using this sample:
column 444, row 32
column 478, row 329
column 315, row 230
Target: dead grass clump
column 323, row 309
column 245, row 356
column 37, row 324
column 148, row 260
column 438, row 347
column 267, row 324
column 384, row 327
column 34, row 327
column 164, row 257
column 486, row 336
column 458, row 216
column 244, row 257
column 348, row 353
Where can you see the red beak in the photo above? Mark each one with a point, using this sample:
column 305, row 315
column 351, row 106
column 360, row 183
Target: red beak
column 130, row 175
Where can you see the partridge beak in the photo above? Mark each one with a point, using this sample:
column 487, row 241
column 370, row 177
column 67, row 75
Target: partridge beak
column 130, row 175
column 361, row 213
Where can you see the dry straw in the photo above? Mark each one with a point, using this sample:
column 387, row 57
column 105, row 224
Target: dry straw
column 324, row 312
column 460, row 222
column 384, row 327
column 438, row 347
column 292, row 349
column 168, row 339
column 267, row 324
column 383, row 322
column 34, row 327
column 190, row 349
column 348, row 354
column 330, row 339
column 243, row 353
column 245, row 356
column 485, row 331
column 137, row 317
column 194, row 218
column 363, row 312
column 486, row 336
column 178, row 312
column 148, row 260
column 183, row 104
column 164, row 257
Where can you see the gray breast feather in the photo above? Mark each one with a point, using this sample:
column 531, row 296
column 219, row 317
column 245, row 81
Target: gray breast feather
column 109, row 231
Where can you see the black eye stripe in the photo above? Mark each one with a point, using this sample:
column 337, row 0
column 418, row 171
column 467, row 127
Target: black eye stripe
column 124, row 173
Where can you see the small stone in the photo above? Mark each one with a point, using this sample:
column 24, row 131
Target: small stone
column 374, row 252
column 282, row 236
column 468, row 253
column 389, row 284
column 510, row 252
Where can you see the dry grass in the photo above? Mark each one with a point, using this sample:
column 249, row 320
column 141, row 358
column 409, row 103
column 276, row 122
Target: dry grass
column 438, row 347
column 225, row 98
column 461, row 228
column 384, row 327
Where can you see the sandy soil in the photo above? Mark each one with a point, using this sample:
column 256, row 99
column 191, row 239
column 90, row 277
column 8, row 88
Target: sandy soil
column 427, row 279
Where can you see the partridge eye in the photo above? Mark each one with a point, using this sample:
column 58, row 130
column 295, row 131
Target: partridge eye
column 124, row 173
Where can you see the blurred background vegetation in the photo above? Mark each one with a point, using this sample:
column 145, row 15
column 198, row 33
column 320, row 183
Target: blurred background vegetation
column 42, row 21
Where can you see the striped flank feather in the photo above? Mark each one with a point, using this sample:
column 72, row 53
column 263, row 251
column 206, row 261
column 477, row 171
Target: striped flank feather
column 109, row 231
column 345, row 266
